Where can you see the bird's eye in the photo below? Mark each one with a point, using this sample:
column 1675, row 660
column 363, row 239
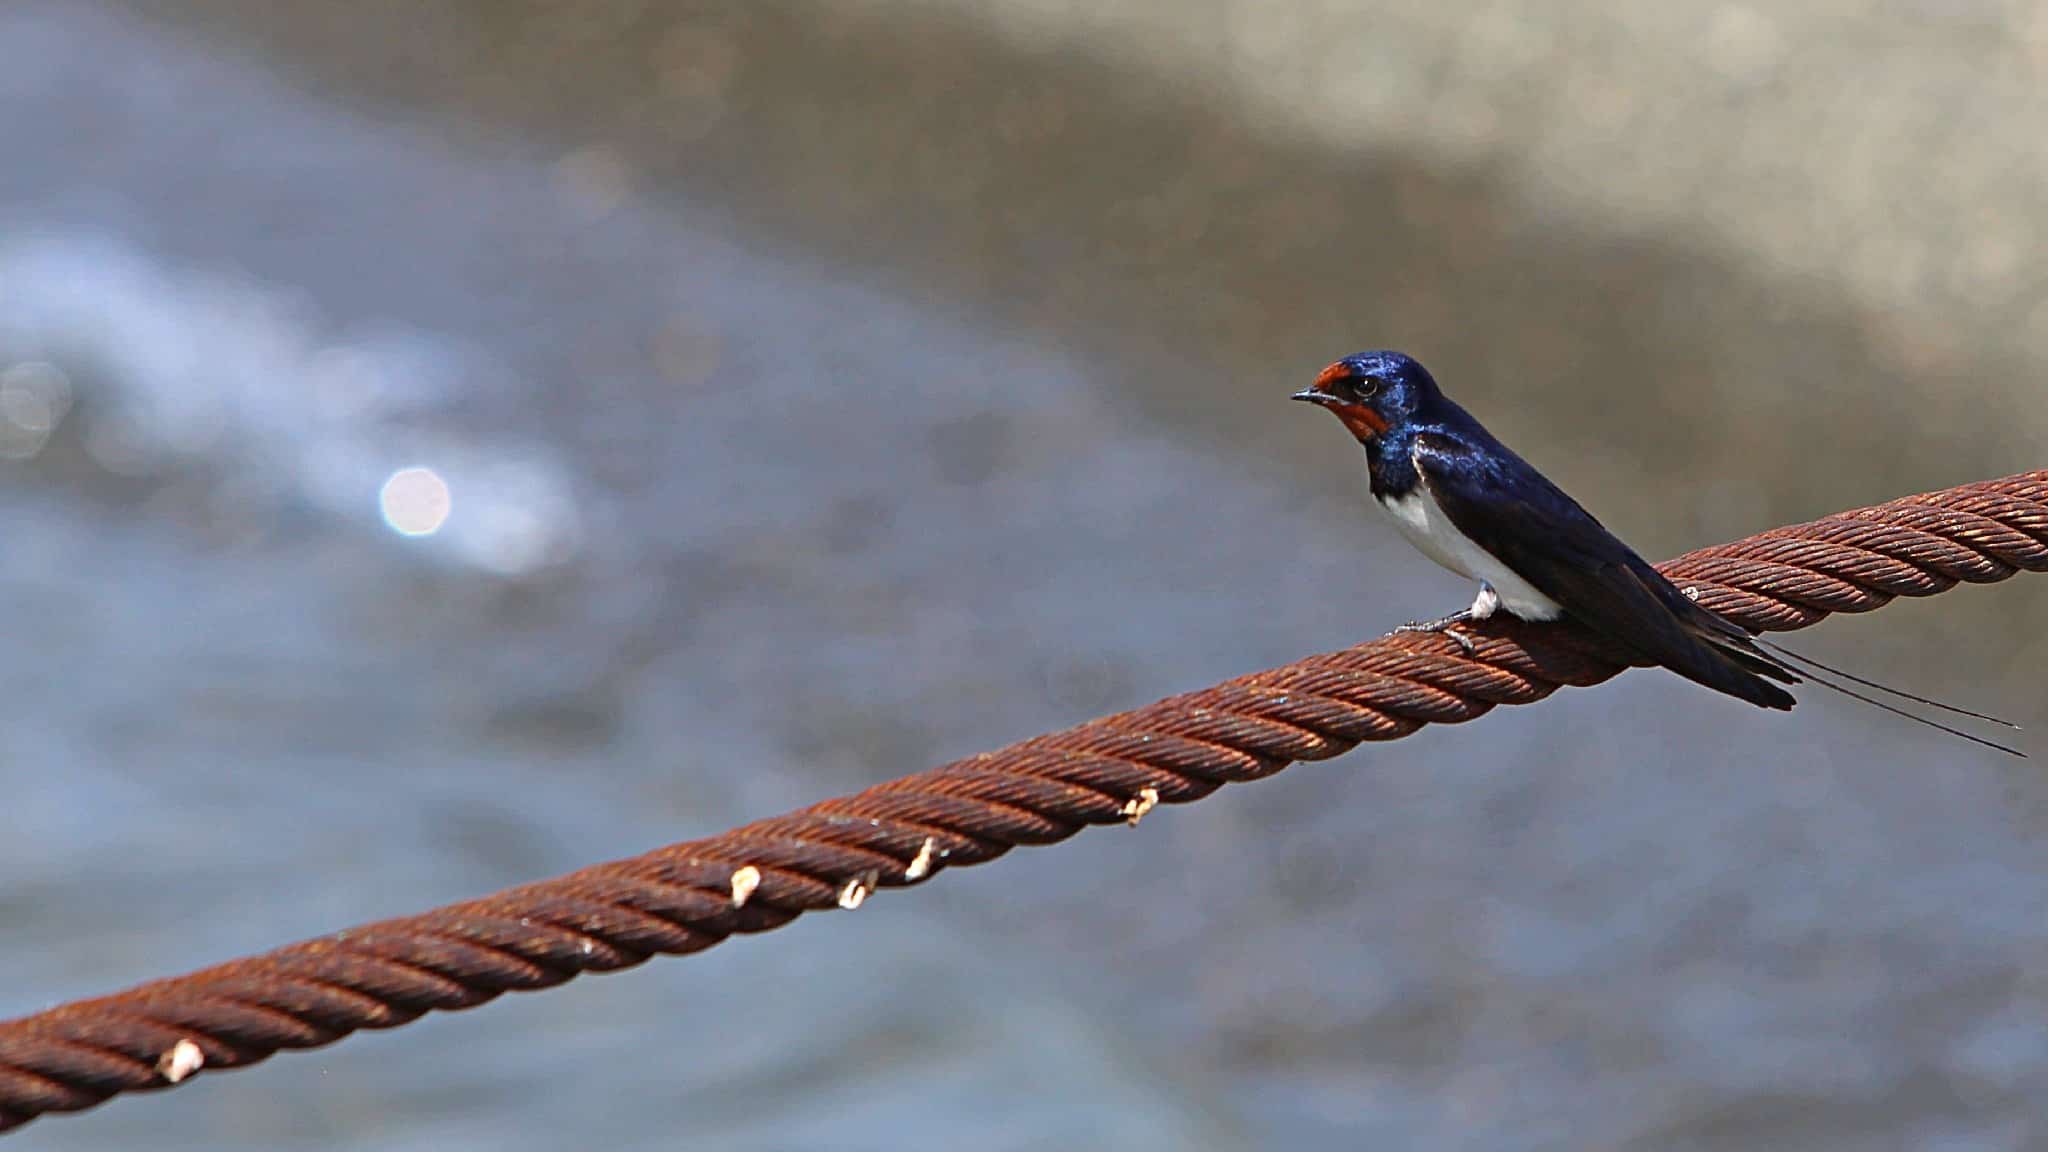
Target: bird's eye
column 1366, row 387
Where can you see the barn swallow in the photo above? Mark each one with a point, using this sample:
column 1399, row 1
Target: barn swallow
column 1471, row 504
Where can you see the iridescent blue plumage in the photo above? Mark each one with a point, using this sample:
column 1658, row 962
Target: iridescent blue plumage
column 1474, row 505
column 1469, row 503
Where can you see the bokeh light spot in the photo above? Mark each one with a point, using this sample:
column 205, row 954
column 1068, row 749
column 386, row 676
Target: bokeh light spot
column 415, row 501
column 33, row 399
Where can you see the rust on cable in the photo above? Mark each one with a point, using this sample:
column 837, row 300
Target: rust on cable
column 835, row 854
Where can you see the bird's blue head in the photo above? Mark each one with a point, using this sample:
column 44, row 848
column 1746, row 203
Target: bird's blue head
column 1373, row 392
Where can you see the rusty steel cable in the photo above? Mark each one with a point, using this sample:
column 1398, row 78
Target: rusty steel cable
column 689, row 896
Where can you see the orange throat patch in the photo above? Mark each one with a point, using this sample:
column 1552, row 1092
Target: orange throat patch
column 1364, row 423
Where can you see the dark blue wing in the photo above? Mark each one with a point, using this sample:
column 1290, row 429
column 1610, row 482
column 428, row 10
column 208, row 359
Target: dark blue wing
column 1510, row 509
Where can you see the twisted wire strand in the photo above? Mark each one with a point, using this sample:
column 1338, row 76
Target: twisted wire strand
column 689, row 896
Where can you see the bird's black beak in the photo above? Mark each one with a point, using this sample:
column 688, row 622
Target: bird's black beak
column 1324, row 389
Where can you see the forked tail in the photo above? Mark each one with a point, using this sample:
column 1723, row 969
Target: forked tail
column 1808, row 668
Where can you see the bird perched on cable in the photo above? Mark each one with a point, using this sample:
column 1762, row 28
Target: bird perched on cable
column 1471, row 504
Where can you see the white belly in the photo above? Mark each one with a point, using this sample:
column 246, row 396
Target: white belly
column 1426, row 527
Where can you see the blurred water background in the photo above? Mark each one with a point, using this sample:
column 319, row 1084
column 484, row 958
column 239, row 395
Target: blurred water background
column 810, row 392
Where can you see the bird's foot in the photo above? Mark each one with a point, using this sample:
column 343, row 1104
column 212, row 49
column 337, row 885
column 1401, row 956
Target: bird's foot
column 1448, row 626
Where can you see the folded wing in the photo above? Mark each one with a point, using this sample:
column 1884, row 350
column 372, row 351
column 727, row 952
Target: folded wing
column 1510, row 509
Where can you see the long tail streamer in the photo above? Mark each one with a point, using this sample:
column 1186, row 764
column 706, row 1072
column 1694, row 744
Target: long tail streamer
column 1784, row 653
